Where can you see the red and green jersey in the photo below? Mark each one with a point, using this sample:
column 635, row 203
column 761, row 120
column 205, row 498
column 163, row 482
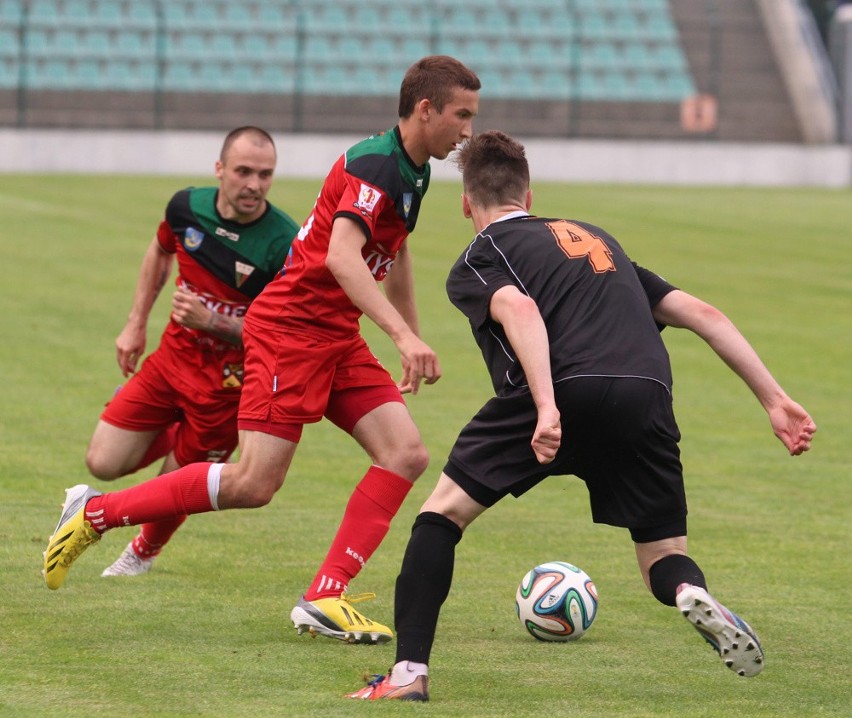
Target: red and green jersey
column 224, row 262
column 374, row 183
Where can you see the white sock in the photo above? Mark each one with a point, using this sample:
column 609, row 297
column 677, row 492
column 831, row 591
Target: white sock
column 405, row 672
column 214, row 474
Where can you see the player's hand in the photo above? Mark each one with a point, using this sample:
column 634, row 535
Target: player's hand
column 548, row 435
column 129, row 347
column 793, row 425
column 189, row 310
column 419, row 364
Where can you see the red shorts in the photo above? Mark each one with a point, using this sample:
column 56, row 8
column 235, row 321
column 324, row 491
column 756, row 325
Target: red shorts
column 202, row 394
column 292, row 380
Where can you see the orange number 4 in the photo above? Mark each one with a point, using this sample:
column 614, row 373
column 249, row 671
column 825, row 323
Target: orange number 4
column 578, row 242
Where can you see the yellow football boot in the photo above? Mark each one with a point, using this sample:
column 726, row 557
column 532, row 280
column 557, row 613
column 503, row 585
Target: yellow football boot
column 335, row 617
column 73, row 535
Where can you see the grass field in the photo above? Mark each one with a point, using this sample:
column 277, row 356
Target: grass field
column 207, row 632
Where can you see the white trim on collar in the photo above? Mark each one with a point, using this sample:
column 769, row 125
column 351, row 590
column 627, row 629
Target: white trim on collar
column 512, row 215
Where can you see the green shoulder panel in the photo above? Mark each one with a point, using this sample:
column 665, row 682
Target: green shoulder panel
column 381, row 161
column 257, row 250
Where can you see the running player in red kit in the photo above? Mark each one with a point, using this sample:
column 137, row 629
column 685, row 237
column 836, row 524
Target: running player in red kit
column 306, row 359
column 228, row 242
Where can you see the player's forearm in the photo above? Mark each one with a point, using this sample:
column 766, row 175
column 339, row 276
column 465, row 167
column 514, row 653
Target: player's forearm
column 346, row 264
column 153, row 275
column 733, row 348
column 229, row 329
column 526, row 332
column 680, row 309
column 364, row 293
column 399, row 289
column 533, row 352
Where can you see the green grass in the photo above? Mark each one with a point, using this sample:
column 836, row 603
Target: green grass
column 206, row 633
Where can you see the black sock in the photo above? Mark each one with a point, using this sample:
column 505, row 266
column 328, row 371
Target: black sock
column 671, row 571
column 423, row 584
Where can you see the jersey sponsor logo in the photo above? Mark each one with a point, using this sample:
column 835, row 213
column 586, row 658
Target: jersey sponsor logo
column 214, row 303
column 368, row 197
column 242, row 272
column 379, row 262
column 192, row 238
column 407, row 198
column 222, row 232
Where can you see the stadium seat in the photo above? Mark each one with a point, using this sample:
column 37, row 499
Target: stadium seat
column 222, row 44
column 11, row 11
column 43, row 10
column 9, row 73
column 271, row 14
column 130, row 74
column 237, row 16
column 413, row 48
column 53, row 74
column 106, row 13
column 9, row 43
column 135, row 43
column 36, row 42
column 140, row 15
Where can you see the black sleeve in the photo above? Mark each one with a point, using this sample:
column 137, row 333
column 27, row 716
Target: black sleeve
column 654, row 285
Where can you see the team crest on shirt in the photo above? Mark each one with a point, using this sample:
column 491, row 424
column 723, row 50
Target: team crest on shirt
column 368, row 197
column 232, row 376
column 407, row 197
column 242, row 272
column 192, row 238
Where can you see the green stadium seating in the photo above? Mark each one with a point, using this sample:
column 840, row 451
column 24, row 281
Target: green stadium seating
column 607, row 50
column 11, row 12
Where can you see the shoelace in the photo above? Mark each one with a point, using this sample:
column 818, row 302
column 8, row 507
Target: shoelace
column 78, row 543
column 356, row 597
column 130, row 560
column 376, row 679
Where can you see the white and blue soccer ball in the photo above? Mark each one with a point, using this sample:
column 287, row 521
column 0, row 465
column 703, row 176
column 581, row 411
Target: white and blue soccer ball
column 556, row 601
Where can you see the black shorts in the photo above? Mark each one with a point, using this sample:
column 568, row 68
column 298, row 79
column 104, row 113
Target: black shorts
column 619, row 435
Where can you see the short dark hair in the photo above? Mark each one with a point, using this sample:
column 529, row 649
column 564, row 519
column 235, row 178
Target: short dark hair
column 434, row 78
column 494, row 169
column 259, row 134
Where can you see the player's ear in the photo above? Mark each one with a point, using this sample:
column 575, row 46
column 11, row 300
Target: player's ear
column 466, row 206
column 528, row 201
column 219, row 167
column 424, row 108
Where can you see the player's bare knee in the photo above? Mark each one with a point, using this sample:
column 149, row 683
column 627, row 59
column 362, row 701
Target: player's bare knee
column 412, row 462
column 100, row 468
column 247, row 491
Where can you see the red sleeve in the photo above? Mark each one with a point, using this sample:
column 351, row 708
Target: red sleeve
column 362, row 201
column 168, row 240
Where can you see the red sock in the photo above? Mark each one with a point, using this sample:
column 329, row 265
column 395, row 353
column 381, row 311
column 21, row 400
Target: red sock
column 178, row 493
column 365, row 523
column 162, row 444
column 155, row 535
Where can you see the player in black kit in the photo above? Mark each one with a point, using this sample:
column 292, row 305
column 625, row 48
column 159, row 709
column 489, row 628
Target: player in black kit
column 569, row 328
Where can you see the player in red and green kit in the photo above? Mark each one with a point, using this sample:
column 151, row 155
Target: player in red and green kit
column 229, row 242
column 305, row 358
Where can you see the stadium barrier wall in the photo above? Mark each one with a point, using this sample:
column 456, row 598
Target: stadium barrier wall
column 309, row 156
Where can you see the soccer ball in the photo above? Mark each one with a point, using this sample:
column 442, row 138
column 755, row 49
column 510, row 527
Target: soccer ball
column 556, row 602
